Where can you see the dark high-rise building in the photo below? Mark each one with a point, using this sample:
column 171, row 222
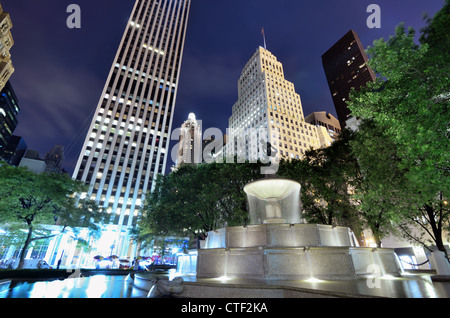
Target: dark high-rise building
column 54, row 159
column 127, row 144
column 14, row 150
column 9, row 109
column 345, row 65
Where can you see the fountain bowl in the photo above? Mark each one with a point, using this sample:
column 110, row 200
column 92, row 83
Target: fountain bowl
column 273, row 201
column 271, row 188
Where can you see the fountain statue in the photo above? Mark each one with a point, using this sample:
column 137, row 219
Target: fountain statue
column 276, row 244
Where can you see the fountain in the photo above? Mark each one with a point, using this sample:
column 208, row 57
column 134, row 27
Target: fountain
column 277, row 245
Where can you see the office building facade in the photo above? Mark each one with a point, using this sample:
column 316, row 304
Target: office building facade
column 268, row 110
column 6, row 42
column 190, row 142
column 9, row 110
column 14, row 150
column 33, row 161
column 127, row 144
column 345, row 66
column 326, row 120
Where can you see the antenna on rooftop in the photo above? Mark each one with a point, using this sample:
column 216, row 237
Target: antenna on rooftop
column 264, row 37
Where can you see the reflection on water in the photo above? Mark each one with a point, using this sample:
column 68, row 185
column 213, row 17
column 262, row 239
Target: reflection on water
column 102, row 286
column 98, row 286
column 407, row 286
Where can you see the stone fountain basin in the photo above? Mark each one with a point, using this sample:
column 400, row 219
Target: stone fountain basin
column 280, row 235
column 325, row 263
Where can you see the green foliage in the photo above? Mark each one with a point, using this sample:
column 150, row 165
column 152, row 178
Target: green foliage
column 327, row 177
column 383, row 188
column 196, row 199
column 33, row 201
column 402, row 144
column 410, row 101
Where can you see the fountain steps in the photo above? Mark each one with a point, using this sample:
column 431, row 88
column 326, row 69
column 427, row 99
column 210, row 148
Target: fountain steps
column 279, row 263
column 277, row 246
column 280, row 235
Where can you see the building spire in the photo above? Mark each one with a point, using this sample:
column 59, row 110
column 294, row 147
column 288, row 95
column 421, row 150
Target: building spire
column 264, row 38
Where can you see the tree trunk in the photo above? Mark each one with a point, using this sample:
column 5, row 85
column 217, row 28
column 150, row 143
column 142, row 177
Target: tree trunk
column 378, row 241
column 437, row 230
column 27, row 243
column 376, row 234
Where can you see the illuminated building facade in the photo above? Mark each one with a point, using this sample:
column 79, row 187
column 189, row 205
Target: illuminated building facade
column 326, row 120
column 267, row 103
column 9, row 110
column 6, row 42
column 127, row 144
column 190, row 142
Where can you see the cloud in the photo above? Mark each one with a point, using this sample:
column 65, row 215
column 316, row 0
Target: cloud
column 60, row 94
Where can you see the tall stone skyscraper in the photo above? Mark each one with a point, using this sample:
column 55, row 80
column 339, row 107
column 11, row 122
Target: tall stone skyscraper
column 127, row 144
column 6, row 42
column 9, row 108
column 345, row 65
column 190, row 142
column 268, row 110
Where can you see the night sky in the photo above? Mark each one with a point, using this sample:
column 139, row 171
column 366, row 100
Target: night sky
column 60, row 72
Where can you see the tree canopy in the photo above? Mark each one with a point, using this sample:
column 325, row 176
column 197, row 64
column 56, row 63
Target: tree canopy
column 402, row 143
column 32, row 201
column 327, row 176
column 194, row 200
column 409, row 101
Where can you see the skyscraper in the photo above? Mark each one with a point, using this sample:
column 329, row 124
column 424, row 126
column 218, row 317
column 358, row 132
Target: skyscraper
column 190, row 142
column 345, row 65
column 268, row 104
column 325, row 119
column 128, row 140
column 54, row 159
column 14, row 150
column 6, row 42
column 9, row 109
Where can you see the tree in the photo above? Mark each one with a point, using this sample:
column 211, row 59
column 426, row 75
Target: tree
column 31, row 201
column 409, row 103
column 382, row 188
column 194, row 200
column 432, row 222
column 174, row 208
column 327, row 176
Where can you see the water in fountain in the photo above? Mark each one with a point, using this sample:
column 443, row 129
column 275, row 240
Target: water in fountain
column 273, row 201
column 187, row 263
column 377, row 261
column 308, row 263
